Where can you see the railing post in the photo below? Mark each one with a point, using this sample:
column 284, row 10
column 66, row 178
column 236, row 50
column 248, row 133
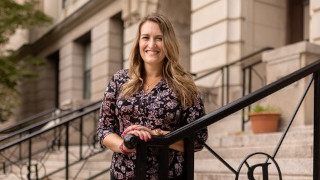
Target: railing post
column 316, row 133
column 222, row 87
column 29, row 159
column 250, row 85
column 67, row 150
column 188, row 171
column 36, row 169
column 250, row 80
column 20, row 148
column 164, row 163
column 4, row 167
column 228, row 84
column 59, row 138
column 81, row 139
column 141, row 161
column 243, row 94
column 94, row 137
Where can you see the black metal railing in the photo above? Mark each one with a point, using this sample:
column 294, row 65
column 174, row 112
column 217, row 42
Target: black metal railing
column 27, row 156
column 187, row 133
column 38, row 125
column 29, row 120
column 247, row 63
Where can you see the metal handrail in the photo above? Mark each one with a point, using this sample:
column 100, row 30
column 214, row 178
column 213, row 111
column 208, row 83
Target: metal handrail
column 21, row 123
column 66, row 124
column 187, row 132
column 237, row 105
column 41, row 123
column 247, row 62
column 37, row 133
column 217, row 69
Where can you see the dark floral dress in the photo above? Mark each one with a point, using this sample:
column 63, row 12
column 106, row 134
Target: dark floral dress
column 159, row 108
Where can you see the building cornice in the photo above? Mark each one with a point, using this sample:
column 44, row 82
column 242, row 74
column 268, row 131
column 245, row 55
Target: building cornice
column 65, row 26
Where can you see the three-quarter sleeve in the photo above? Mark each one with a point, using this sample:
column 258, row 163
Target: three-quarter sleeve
column 108, row 122
column 191, row 114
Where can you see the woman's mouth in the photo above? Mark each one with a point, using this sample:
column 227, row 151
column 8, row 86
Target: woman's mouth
column 152, row 52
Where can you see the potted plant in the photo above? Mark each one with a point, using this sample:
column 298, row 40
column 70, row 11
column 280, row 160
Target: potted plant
column 264, row 119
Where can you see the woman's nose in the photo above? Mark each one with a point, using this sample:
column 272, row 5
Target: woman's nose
column 152, row 43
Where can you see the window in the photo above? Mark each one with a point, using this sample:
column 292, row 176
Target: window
column 64, row 3
column 87, row 71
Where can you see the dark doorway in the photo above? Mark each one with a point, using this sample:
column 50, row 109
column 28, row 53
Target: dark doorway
column 297, row 21
column 53, row 61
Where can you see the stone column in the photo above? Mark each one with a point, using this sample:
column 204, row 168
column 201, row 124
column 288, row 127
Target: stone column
column 129, row 35
column 45, row 87
column 216, row 40
column 70, row 75
column 106, row 51
column 178, row 12
column 315, row 21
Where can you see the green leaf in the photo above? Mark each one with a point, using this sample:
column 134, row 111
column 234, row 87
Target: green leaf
column 15, row 16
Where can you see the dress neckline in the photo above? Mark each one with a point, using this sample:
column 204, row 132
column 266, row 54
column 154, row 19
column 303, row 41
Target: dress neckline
column 155, row 87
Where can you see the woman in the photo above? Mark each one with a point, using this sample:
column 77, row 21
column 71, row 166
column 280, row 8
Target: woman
column 154, row 97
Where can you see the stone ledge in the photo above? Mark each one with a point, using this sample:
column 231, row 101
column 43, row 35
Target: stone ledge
column 290, row 50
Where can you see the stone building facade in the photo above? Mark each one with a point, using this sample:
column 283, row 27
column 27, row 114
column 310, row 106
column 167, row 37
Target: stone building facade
column 90, row 40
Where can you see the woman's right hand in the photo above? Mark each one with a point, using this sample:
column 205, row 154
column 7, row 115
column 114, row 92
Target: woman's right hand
column 142, row 132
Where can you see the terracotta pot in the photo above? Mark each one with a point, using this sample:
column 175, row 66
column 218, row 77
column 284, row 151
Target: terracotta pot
column 264, row 122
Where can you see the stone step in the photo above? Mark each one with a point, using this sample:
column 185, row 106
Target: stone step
column 9, row 177
column 251, row 140
column 230, row 176
column 294, row 156
column 87, row 170
column 300, row 169
column 56, row 160
column 74, row 155
column 289, row 167
column 285, row 151
column 83, row 170
column 197, row 176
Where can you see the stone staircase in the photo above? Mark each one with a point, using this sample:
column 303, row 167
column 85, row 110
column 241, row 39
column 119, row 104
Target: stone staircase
column 56, row 159
column 82, row 170
column 294, row 157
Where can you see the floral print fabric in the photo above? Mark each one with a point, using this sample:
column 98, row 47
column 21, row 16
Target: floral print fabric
column 160, row 108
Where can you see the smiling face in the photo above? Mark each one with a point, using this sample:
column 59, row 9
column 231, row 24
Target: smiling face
column 151, row 44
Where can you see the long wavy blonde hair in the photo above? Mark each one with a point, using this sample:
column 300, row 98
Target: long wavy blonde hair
column 173, row 73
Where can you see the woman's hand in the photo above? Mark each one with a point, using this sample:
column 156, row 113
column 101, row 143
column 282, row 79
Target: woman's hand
column 157, row 132
column 145, row 133
column 142, row 132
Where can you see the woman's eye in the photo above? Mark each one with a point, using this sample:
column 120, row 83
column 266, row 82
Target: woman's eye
column 144, row 37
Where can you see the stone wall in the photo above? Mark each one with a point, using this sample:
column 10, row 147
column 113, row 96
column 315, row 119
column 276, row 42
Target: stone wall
column 264, row 24
column 315, row 21
column 70, row 74
column 281, row 62
column 106, row 39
